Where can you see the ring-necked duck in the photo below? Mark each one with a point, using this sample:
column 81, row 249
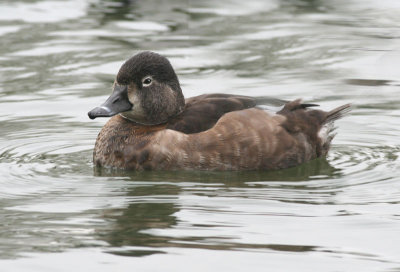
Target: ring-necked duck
column 154, row 127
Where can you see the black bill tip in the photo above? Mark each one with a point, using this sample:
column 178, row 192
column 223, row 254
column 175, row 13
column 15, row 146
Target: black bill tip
column 100, row 112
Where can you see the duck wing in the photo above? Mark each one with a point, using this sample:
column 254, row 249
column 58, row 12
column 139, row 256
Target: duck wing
column 241, row 140
column 250, row 139
column 203, row 112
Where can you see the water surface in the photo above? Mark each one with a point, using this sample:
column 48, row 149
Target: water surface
column 58, row 60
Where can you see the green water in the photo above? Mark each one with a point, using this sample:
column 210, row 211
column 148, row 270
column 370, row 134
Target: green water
column 58, row 60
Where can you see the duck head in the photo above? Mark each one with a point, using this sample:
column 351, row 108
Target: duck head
column 146, row 91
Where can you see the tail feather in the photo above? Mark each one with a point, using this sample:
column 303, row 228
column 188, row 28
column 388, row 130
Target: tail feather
column 337, row 113
column 327, row 131
column 296, row 105
column 318, row 125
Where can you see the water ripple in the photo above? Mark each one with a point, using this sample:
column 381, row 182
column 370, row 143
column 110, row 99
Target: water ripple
column 59, row 60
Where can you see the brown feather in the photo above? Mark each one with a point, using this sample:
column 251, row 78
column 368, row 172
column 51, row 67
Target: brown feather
column 207, row 132
column 202, row 112
column 240, row 140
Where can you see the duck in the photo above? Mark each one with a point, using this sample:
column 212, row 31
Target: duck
column 153, row 127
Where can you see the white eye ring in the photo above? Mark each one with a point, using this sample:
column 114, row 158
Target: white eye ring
column 147, row 81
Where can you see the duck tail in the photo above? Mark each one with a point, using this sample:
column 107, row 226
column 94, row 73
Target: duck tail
column 327, row 131
column 337, row 113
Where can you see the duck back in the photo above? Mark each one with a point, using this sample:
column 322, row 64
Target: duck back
column 202, row 112
column 243, row 139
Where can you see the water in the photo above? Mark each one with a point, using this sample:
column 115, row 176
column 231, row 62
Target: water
column 58, row 60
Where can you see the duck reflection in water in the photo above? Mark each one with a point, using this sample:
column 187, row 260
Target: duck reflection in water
column 154, row 206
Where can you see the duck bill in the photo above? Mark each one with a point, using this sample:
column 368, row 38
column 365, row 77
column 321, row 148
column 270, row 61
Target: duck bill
column 118, row 102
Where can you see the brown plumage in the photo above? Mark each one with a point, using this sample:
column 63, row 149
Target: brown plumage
column 206, row 132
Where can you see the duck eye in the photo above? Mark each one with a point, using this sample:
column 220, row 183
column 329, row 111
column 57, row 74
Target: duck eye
column 147, row 81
